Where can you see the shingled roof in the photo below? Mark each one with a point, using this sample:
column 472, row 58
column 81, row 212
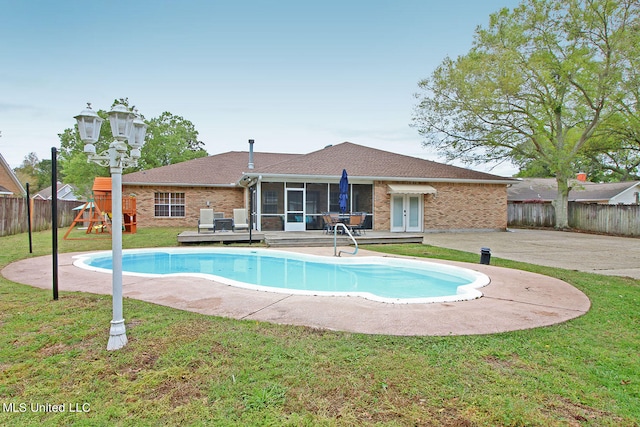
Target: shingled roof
column 227, row 169
column 218, row 170
column 366, row 162
column 602, row 192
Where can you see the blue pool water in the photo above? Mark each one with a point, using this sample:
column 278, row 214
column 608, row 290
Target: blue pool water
column 378, row 278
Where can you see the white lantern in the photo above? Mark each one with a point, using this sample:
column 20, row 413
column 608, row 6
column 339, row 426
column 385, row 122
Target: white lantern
column 89, row 124
column 135, row 154
column 121, row 119
column 138, row 132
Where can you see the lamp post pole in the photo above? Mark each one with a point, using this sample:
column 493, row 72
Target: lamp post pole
column 125, row 126
column 118, row 333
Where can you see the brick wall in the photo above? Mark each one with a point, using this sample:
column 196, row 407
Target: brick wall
column 381, row 206
column 220, row 199
column 453, row 207
column 466, row 207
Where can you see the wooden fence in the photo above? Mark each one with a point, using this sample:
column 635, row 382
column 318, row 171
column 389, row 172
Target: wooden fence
column 13, row 214
column 531, row 215
column 623, row 220
column 609, row 219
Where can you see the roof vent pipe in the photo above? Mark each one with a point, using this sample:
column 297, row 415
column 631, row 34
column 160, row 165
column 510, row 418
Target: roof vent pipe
column 251, row 153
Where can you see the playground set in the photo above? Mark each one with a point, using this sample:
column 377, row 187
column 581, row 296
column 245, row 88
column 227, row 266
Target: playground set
column 96, row 214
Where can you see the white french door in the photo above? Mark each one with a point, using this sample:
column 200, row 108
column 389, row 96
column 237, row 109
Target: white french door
column 406, row 212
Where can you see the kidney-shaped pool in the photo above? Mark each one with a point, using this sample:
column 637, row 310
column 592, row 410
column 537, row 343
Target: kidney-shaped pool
column 384, row 279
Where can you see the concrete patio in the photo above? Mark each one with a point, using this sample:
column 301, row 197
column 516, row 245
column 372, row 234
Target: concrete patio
column 513, row 300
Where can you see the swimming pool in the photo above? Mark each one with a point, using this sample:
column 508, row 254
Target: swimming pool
column 385, row 279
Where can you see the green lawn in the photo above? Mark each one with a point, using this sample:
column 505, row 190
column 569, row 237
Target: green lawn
column 182, row 368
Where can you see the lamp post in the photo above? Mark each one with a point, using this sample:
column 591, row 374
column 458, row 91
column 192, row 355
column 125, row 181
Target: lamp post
column 125, row 126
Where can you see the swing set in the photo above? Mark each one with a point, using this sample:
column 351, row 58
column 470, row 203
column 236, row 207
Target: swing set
column 96, row 214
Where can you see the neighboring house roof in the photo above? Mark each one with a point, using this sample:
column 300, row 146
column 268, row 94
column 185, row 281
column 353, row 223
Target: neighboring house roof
column 609, row 192
column 545, row 190
column 44, row 194
column 371, row 163
column 533, row 189
column 224, row 169
column 9, row 182
column 65, row 192
column 229, row 168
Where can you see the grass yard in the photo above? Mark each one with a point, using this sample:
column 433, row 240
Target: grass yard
column 182, row 368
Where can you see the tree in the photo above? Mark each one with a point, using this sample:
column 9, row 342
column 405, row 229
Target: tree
column 537, row 86
column 619, row 164
column 621, row 134
column 26, row 172
column 35, row 172
column 169, row 139
column 76, row 169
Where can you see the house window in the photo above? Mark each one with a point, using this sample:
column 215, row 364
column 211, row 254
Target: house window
column 169, row 204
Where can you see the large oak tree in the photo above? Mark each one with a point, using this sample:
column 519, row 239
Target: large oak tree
column 539, row 84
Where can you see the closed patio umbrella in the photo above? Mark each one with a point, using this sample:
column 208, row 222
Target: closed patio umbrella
column 344, row 191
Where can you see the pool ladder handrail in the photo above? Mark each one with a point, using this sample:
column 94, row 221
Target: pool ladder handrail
column 335, row 239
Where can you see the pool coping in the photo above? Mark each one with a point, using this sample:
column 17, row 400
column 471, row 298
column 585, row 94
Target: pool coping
column 514, row 300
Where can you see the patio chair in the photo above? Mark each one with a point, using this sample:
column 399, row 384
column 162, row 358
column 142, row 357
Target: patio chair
column 356, row 222
column 240, row 220
column 205, row 222
column 330, row 221
column 327, row 222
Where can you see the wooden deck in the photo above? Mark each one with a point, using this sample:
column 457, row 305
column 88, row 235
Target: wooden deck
column 297, row 239
column 187, row 237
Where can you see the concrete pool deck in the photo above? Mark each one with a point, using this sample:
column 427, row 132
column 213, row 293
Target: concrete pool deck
column 513, row 300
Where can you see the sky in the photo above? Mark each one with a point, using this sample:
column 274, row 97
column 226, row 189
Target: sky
column 293, row 75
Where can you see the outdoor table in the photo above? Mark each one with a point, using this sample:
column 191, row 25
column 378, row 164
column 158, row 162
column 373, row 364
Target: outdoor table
column 223, row 224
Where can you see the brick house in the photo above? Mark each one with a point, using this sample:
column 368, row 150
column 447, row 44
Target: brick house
column 9, row 183
column 291, row 191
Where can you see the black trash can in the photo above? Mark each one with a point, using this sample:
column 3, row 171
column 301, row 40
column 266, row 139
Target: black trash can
column 485, row 256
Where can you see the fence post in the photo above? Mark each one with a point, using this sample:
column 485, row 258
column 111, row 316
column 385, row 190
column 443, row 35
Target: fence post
column 54, row 219
column 29, row 218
